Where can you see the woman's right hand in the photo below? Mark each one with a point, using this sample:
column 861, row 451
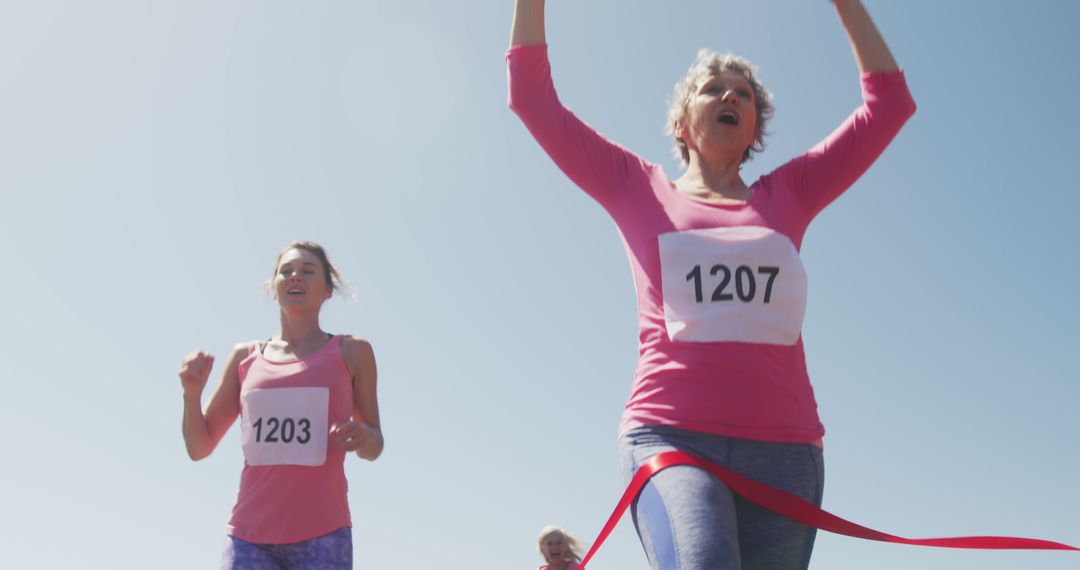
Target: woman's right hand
column 194, row 371
column 203, row 430
column 528, row 25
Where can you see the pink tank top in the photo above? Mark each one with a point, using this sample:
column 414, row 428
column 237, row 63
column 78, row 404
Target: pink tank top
column 293, row 485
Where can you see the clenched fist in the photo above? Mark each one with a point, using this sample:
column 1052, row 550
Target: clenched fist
column 194, row 371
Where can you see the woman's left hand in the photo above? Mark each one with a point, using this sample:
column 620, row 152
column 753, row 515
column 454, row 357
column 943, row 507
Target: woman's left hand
column 353, row 435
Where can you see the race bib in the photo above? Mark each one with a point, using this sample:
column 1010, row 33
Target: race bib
column 741, row 284
column 285, row 426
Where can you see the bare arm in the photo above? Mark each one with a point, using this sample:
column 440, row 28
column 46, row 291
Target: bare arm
column 871, row 53
column 363, row 434
column 528, row 26
column 203, row 430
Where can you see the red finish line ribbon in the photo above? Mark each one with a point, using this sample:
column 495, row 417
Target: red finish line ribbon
column 799, row 510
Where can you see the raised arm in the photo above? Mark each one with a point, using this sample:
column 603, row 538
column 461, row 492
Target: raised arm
column 204, row 429
column 834, row 164
column 528, row 26
column 871, row 53
column 596, row 164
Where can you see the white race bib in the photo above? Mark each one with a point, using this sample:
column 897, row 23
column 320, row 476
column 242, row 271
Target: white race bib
column 741, row 284
column 285, row 426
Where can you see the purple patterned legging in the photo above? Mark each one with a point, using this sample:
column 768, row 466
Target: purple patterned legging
column 327, row 552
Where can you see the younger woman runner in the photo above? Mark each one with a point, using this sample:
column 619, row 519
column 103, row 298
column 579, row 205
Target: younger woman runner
column 305, row 398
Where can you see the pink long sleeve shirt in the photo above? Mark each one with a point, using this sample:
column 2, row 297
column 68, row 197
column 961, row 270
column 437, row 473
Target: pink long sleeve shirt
column 721, row 291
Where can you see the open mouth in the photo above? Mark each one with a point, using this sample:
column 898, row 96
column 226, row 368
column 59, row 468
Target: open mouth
column 729, row 118
column 294, row 292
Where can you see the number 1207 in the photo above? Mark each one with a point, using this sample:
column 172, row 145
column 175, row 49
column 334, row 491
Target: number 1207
column 746, row 284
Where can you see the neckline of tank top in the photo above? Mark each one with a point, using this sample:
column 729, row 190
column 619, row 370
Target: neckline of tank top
column 262, row 346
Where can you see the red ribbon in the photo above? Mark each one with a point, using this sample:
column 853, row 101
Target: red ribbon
column 799, row 510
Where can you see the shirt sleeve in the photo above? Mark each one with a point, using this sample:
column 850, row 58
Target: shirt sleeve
column 833, row 165
column 599, row 166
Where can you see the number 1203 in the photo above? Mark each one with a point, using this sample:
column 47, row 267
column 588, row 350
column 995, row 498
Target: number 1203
column 283, row 430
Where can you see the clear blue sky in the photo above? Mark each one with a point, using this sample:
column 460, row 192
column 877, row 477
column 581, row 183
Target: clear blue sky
column 155, row 155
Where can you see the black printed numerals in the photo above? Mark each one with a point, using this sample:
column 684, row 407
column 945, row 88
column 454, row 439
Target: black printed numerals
column 746, row 284
column 283, row 430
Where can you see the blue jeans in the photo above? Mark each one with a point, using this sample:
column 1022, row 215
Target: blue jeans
column 688, row 520
column 327, row 552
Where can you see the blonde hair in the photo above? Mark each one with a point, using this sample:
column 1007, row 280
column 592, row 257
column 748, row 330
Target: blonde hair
column 710, row 63
column 333, row 278
column 572, row 545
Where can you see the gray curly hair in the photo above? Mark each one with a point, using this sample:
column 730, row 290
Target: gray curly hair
column 710, row 63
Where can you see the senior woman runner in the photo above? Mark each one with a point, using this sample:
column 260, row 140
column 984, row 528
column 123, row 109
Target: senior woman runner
column 721, row 290
column 305, row 399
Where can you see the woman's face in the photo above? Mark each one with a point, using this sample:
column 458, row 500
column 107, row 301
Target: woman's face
column 721, row 116
column 554, row 548
column 300, row 280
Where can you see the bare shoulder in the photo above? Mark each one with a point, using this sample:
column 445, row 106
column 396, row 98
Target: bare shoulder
column 358, row 352
column 352, row 343
column 246, row 347
column 242, row 350
column 239, row 352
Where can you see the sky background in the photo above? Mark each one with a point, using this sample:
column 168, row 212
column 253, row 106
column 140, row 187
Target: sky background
column 155, row 156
